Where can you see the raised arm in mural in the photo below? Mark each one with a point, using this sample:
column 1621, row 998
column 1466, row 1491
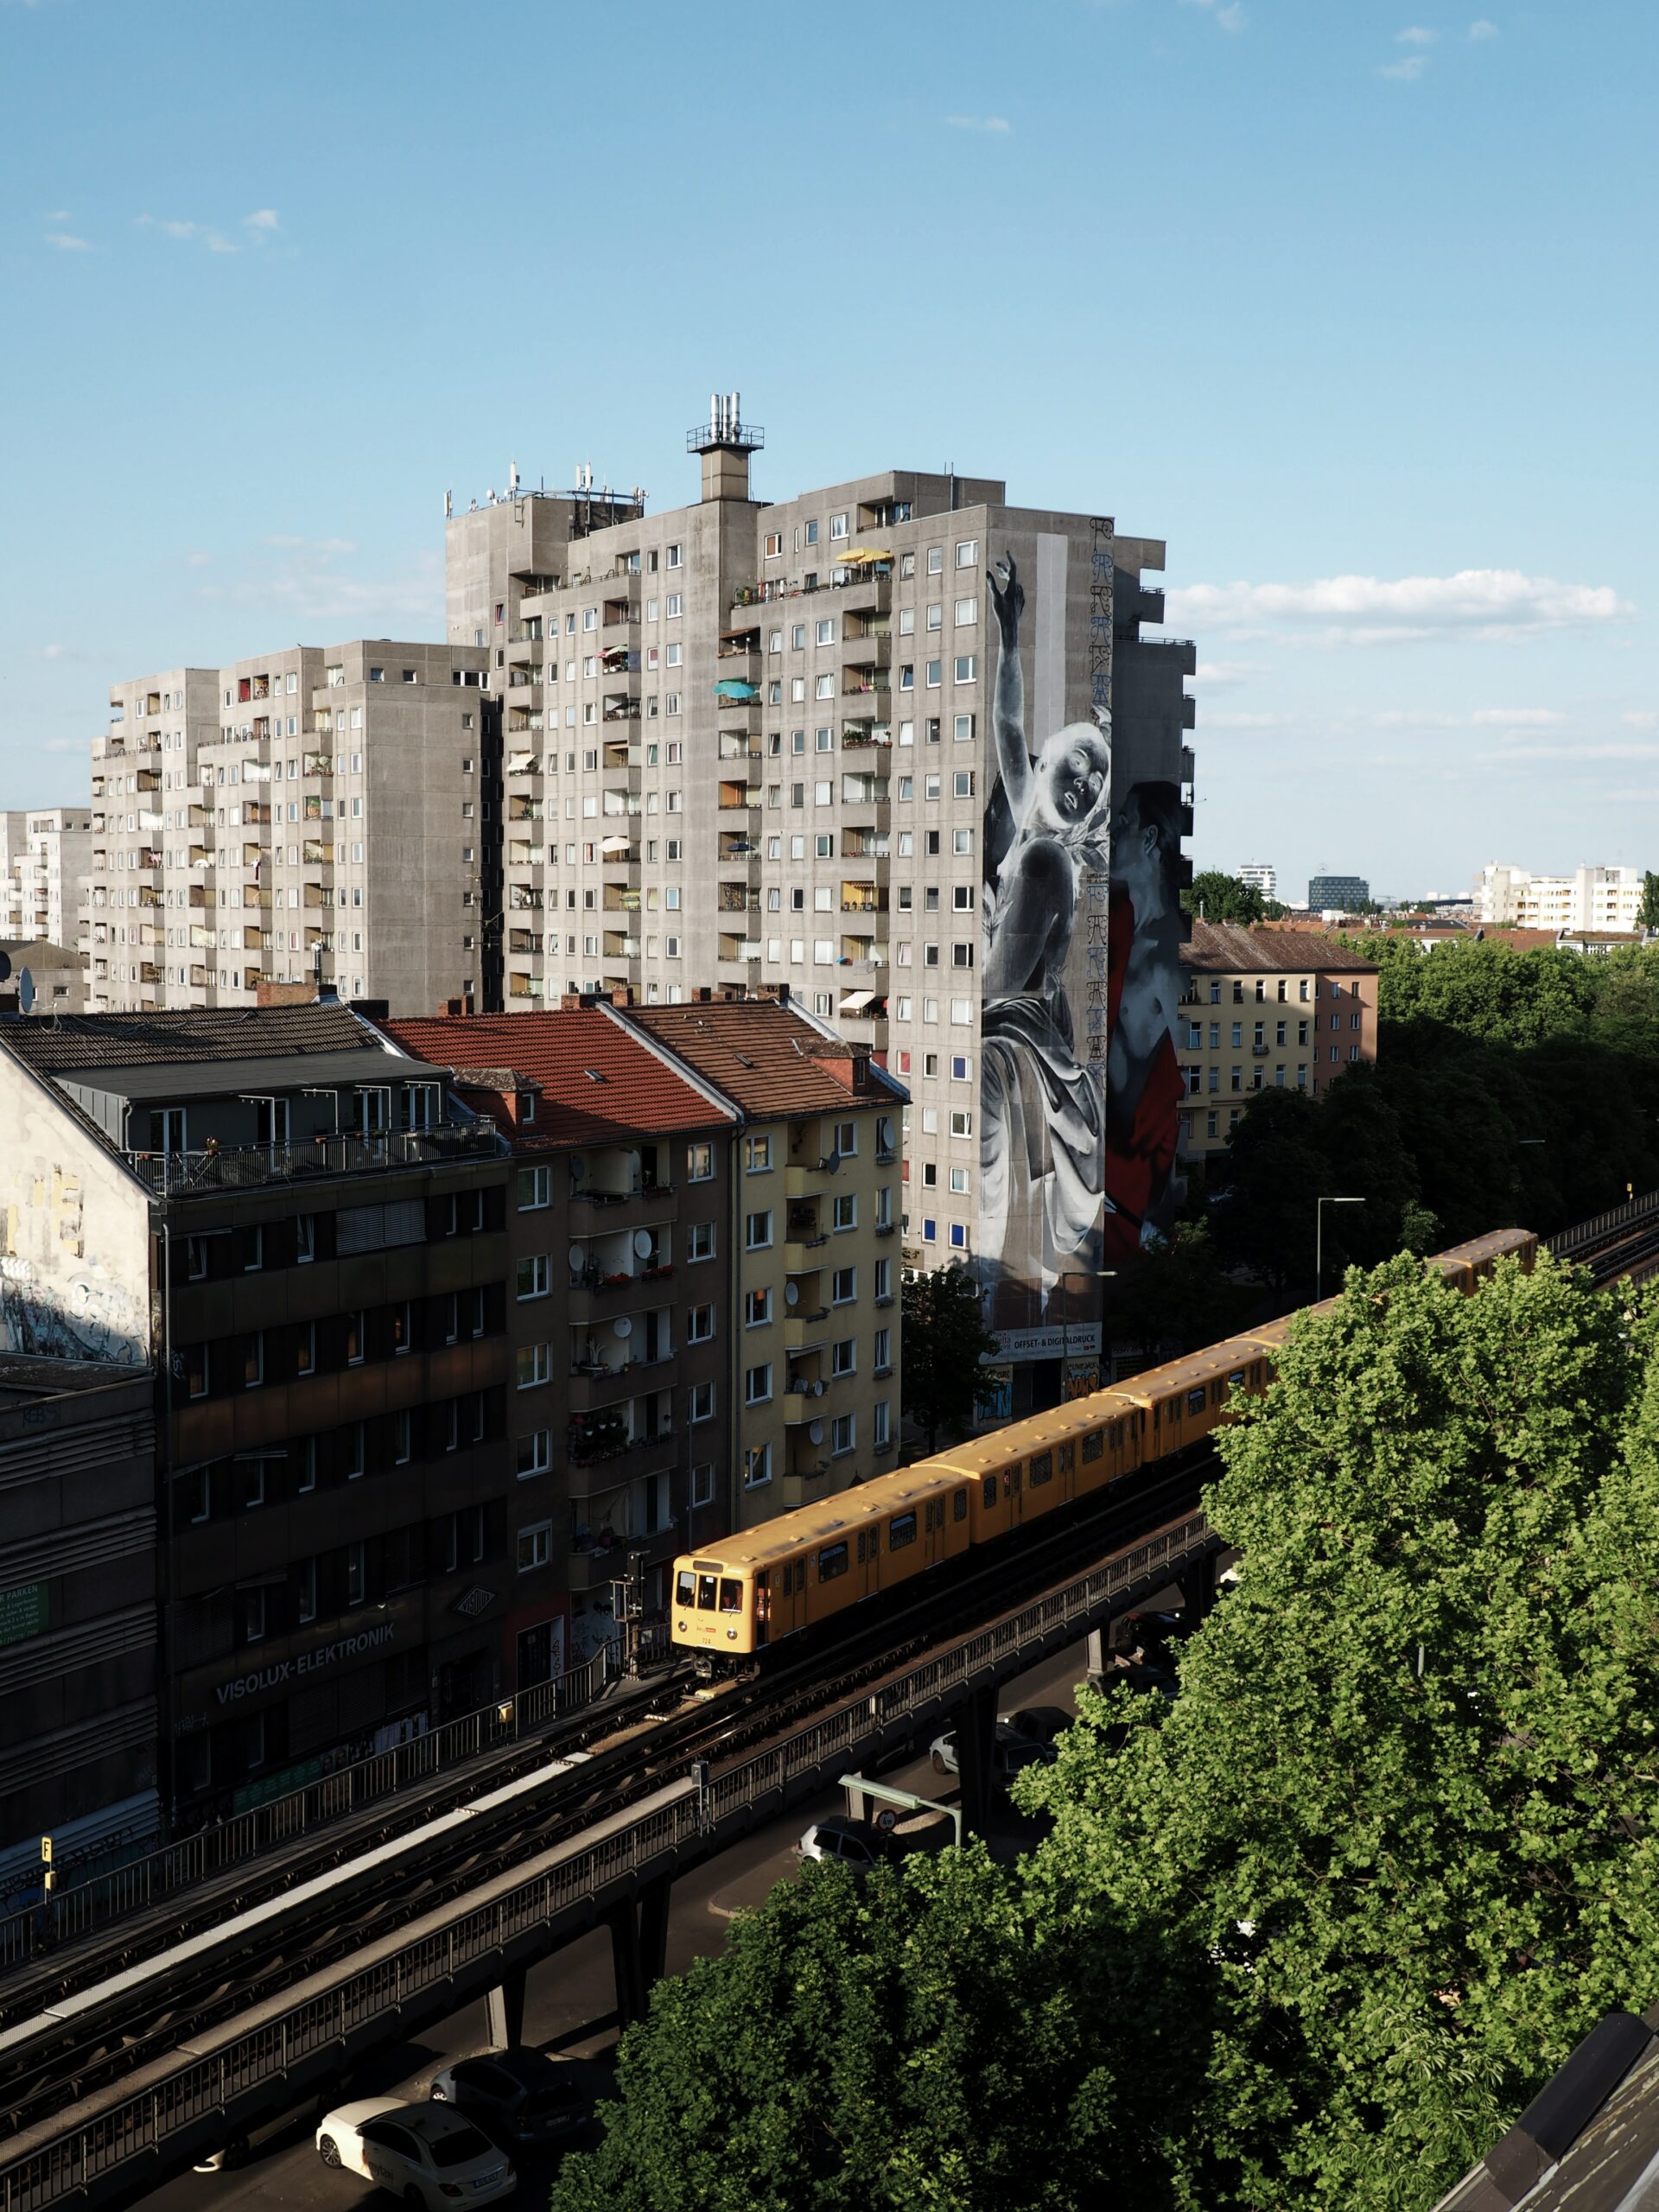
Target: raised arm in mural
column 1044, row 817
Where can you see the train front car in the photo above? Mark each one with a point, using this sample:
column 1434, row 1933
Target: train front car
column 712, row 1611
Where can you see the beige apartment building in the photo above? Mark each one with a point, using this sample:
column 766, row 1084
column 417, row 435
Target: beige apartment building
column 814, row 1330
column 748, row 744
column 1592, row 899
column 315, row 814
column 45, row 854
column 1267, row 1010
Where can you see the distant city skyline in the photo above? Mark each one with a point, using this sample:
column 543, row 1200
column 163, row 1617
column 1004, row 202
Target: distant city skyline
column 1323, row 350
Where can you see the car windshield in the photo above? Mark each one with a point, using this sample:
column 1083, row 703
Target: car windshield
column 457, row 2148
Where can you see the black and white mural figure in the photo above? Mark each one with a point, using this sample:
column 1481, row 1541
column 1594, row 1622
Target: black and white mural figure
column 1042, row 1086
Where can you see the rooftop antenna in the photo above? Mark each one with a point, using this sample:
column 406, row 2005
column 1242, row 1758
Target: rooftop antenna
column 513, row 478
column 449, row 505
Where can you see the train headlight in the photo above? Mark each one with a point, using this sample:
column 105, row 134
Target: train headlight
column 679, row 1627
column 731, row 1636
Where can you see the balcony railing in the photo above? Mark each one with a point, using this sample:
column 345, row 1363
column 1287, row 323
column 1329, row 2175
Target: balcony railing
column 239, row 1168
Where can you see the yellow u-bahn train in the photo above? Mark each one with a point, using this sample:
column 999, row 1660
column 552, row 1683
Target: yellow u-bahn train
column 752, row 1592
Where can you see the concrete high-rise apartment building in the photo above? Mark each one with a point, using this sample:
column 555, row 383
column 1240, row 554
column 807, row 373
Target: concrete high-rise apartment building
column 895, row 743
column 1260, row 876
column 44, row 860
column 312, row 813
column 1589, row 898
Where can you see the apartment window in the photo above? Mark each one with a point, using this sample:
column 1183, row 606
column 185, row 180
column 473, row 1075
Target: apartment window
column 703, row 1483
column 700, row 1241
column 967, row 552
column 757, row 1308
column 757, row 1384
column 305, row 1590
column 253, row 1361
column 843, row 1356
column 357, row 1338
column 757, row 1468
column 843, row 1286
column 758, row 1152
column 534, row 1365
column 846, row 1210
column 533, row 1454
column 699, row 1325
column 534, row 1278
column 758, row 1230
column 843, row 1433
column 674, row 559
column 699, row 1163
column 933, row 678
column 402, row 1437
column 305, row 1349
column 967, row 668
column 534, row 1189
column 701, row 1401
column 253, row 1615
column 356, row 1451
column 883, row 1279
column 534, row 1547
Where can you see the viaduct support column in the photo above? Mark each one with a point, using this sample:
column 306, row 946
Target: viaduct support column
column 640, row 1946
column 975, row 1739
column 505, row 2006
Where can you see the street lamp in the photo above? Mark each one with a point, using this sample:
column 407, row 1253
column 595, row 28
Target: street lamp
column 1318, row 1240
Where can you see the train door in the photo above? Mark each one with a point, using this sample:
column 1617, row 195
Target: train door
column 868, row 1554
column 1013, row 1493
column 762, row 1608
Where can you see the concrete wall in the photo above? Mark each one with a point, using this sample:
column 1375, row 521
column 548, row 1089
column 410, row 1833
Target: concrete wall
column 74, row 1249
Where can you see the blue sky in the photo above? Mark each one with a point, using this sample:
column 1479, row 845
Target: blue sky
column 1353, row 304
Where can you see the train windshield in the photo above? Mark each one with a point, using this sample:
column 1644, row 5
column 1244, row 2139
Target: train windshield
column 705, row 1593
column 685, row 1588
column 731, row 1596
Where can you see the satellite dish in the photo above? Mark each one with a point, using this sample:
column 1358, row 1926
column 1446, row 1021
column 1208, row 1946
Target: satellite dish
column 578, row 1259
column 6, row 966
column 25, row 990
column 623, row 1327
column 642, row 1242
column 578, row 1167
column 816, row 1432
column 830, row 1164
column 792, row 1294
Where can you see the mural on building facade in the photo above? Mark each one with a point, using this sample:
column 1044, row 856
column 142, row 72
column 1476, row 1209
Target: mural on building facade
column 1045, row 991
column 1144, row 1085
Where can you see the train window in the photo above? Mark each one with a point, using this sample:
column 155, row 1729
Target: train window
column 731, row 1596
column 901, row 1530
column 705, row 1593
column 1011, row 1480
column 1042, row 1467
column 961, row 1505
column 990, row 1489
column 832, row 1561
column 1095, row 1443
column 685, row 1588
column 860, row 1548
column 1236, row 1379
column 1066, row 1456
column 1195, row 1400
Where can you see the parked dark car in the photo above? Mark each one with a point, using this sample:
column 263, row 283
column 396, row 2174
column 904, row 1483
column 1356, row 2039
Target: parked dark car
column 521, row 2097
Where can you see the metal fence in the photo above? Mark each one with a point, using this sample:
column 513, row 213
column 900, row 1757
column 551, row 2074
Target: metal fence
column 242, row 1167
column 208, row 2085
column 1634, row 1210
column 193, row 1860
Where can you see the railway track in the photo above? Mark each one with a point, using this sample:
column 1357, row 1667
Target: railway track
column 87, row 2039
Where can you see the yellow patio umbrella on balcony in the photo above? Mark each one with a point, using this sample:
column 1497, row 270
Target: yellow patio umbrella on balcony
column 860, row 554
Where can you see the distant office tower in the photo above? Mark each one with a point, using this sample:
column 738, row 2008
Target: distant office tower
column 1590, row 899
column 902, row 746
column 1342, row 893
column 1260, row 876
column 304, row 815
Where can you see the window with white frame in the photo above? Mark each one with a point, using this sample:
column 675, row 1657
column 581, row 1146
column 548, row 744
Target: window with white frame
column 533, row 1454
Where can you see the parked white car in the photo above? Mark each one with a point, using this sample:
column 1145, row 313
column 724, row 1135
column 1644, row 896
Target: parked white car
column 429, row 2155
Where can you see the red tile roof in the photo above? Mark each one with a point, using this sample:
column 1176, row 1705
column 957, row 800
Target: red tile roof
column 761, row 1053
column 637, row 1095
column 1227, row 948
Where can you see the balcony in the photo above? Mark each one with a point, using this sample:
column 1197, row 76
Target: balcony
column 317, row 764
column 804, row 1405
column 737, row 948
column 617, row 854
column 528, row 987
column 801, row 1258
column 621, row 613
column 524, row 899
column 523, row 764
column 195, row 1174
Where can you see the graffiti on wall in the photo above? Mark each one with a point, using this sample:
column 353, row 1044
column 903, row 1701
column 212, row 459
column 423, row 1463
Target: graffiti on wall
column 1045, row 988
column 1145, row 1086
column 57, row 1300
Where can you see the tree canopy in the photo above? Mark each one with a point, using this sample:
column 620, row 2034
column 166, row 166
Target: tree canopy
column 1312, row 1935
column 1219, row 897
column 945, row 1339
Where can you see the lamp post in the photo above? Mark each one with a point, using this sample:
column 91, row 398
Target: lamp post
column 1318, row 1240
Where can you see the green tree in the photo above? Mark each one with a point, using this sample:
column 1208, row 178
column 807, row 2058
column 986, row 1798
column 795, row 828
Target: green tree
column 1180, row 1293
column 1648, row 915
column 945, row 1340
column 1218, row 897
column 903, row 2041
column 1402, row 1808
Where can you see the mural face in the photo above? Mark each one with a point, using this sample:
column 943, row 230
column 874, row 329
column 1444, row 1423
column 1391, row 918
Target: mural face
column 1144, row 1086
column 1044, row 1037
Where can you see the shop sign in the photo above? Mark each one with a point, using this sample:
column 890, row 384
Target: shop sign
column 23, row 1612
column 308, row 1662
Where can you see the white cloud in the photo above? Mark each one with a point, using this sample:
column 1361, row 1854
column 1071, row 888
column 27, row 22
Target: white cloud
column 1416, row 36
column 993, row 126
column 1574, row 753
column 305, row 580
column 52, row 653
column 1515, row 717
column 1641, row 718
column 263, row 219
column 1481, row 29
column 64, row 244
column 58, row 215
column 1475, row 604
column 1243, row 721
column 1405, row 71
column 1221, row 674
column 199, row 233
column 1231, row 16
